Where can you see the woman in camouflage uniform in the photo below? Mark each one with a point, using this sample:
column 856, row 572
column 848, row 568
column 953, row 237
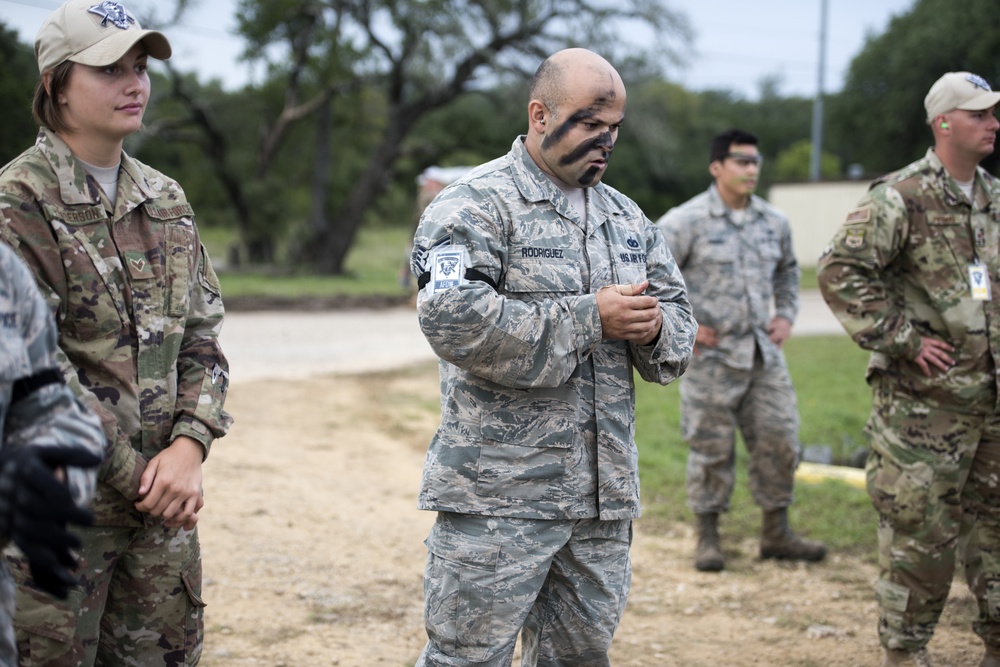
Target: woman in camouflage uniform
column 115, row 250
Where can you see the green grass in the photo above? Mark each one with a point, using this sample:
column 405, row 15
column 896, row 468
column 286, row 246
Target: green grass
column 828, row 372
column 372, row 268
column 808, row 280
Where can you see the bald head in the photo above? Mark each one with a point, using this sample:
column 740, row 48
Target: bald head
column 566, row 70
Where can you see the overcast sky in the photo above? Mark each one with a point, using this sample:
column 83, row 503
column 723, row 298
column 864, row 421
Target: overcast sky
column 736, row 44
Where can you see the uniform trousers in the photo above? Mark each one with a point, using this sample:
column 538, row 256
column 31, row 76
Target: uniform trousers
column 561, row 584
column 716, row 400
column 139, row 602
column 934, row 477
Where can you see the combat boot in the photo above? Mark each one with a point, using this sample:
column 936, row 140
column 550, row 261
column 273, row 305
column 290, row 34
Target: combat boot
column 708, row 553
column 778, row 541
column 906, row 659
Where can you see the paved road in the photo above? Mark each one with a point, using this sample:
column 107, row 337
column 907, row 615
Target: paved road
column 319, row 343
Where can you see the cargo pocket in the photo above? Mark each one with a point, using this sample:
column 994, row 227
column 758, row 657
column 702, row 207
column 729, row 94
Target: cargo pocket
column 458, row 588
column 892, row 596
column 45, row 626
column 900, row 493
column 194, row 627
column 523, row 454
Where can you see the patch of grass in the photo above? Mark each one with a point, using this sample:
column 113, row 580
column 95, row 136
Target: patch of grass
column 808, row 280
column 371, row 268
column 834, row 401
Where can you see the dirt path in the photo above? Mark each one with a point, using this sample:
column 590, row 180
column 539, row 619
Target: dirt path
column 314, row 555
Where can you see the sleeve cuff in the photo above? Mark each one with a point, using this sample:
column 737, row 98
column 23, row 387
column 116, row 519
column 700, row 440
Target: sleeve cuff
column 194, row 430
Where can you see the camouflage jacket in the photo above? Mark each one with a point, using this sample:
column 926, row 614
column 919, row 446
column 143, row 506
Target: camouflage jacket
column 36, row 409
column 898, row 270
column 537, row 411
column 136, row 301
column 735, row 273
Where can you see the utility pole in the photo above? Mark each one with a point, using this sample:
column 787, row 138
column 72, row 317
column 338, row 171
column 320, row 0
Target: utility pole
column 817, row 122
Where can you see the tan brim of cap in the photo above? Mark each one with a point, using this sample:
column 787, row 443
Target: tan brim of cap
column 111, row 48
column 980, row 102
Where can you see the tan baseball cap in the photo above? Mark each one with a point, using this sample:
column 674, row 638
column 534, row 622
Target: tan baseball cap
column 959, row 90
column 91, row 32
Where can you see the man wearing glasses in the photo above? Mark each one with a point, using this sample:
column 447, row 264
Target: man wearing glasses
column 735, row 253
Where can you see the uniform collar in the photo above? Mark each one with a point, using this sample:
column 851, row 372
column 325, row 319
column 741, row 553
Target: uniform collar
column 535, row 186
column 718, row 209
column 72, row 177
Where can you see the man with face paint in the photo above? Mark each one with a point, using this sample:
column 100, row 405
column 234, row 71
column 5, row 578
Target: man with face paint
column 735, row 251
column 541, row 289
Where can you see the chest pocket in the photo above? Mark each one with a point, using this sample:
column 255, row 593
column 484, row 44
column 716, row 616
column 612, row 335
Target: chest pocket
column 538, row 278
column 943, row 252
column 94, row 306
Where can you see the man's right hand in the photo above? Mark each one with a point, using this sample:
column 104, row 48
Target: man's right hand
column 706, row 337
column 628, row 314
column 934, row 352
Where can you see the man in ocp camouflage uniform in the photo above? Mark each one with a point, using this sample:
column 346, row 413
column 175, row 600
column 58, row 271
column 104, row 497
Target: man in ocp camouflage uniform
column 735, row 252
column 913, row 275
column 43, row 429
column 541, row 290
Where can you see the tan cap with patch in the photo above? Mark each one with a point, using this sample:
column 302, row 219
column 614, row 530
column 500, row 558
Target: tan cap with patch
column 959, row 90
column 91, row 32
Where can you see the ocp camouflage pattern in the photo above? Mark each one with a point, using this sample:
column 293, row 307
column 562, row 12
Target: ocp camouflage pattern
column 137, row 303
column 898, row 269
column 537, row 411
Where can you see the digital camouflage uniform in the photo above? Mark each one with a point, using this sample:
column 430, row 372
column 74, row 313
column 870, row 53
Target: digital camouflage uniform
column 896, row 271
column 534, row 467
column 139, row 311
column 47, row 414
column 735, row 271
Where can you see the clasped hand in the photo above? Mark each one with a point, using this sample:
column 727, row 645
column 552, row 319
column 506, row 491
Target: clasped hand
column 628, row 314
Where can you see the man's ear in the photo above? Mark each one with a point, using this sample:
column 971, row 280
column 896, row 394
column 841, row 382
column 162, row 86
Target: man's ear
column 537, row 115
column 715, row 168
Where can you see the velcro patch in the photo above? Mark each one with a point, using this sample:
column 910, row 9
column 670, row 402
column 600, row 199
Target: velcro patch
column 138, row 266
column 859, row 215
column 854, row 239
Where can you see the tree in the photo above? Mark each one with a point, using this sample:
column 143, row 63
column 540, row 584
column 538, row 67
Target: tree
column 18, row 74
column 399, row 61
column 793, row 164
column 878, row 118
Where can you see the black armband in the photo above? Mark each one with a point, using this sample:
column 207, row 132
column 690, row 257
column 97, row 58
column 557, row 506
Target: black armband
column 24, row 387
column 470, row 274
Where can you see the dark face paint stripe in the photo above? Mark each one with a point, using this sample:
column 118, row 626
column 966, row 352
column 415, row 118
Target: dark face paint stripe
column 562, row 130
column 588, row 176
column 599, row 144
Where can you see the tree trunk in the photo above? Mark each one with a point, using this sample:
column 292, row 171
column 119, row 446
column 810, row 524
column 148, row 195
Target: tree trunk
column 333, row 243
column 319, row 185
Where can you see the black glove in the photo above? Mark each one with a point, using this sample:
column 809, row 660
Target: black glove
column 35, row 508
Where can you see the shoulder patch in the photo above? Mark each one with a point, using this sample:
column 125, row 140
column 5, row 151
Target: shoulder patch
column 854, row 240
column 858, row 215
